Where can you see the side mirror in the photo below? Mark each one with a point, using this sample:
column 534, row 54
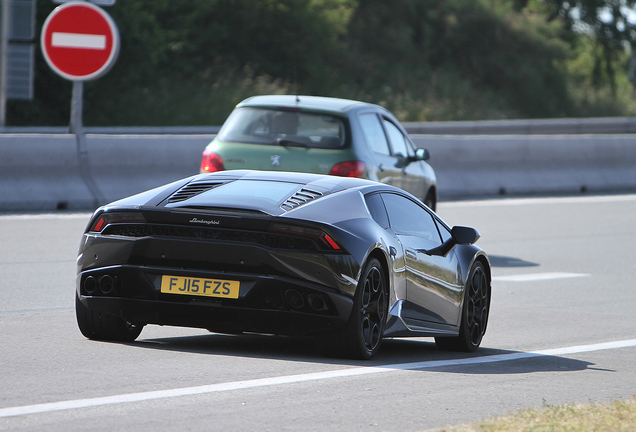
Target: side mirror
column 460, row 235
column 422, row 154
column 465, row 235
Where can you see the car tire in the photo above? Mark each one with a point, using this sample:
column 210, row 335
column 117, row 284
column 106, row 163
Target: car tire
column 102, row 326
column 360, row 337
column 474, row 313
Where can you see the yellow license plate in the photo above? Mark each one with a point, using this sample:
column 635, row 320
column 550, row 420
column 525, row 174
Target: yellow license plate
column 200, row 287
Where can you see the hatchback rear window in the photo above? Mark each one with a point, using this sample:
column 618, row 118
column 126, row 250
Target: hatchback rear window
column 283, row 127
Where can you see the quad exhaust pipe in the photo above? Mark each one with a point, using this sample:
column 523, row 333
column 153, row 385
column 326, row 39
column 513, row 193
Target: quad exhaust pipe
column 316, row 302
column 90, row 285
column 104, row 286
column 294, row 298
column 297, row 301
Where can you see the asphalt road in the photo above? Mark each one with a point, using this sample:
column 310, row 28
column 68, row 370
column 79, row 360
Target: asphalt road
column 562, row 330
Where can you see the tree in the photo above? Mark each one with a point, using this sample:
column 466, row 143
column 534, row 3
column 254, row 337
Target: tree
column 608, row 21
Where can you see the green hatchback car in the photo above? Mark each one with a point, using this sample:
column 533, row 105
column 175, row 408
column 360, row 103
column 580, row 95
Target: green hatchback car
column 324, row 136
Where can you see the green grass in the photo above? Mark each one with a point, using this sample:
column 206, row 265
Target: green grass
column 617, row 416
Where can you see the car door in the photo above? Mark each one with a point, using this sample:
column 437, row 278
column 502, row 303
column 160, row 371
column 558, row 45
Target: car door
column 432, row 282
column 389, row 170
column 413, row 180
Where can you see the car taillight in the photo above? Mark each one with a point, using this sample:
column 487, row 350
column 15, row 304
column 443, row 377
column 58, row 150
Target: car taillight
column 211, row 162
column 295, row 230
column 348, row 169
column 118, row 217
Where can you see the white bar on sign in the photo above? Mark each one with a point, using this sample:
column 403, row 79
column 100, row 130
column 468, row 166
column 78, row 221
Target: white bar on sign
column 78, row 40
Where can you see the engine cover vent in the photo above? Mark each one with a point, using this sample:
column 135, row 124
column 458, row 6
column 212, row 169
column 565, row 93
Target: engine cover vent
column 301, row 197
column 192, row 189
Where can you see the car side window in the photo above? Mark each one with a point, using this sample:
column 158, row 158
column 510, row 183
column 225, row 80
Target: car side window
column 445, row 233
column 407, row 217
column 374, row 133
column 398, row 141
column 377, row 210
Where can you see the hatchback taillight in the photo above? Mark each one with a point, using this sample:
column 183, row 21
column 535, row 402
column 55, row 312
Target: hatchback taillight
column 348, row 169
column 211, row 162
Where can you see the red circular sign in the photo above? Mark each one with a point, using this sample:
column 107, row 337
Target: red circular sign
column 80, row 41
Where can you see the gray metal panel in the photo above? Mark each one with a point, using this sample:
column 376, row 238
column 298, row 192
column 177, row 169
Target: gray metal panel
column 20, row 71
column 608, row 125
column 21, row 20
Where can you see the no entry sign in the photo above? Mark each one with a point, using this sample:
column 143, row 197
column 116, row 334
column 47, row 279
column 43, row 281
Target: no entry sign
column 80, row 41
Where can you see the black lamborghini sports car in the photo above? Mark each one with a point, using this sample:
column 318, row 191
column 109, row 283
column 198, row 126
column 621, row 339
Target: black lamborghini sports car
column 348, row 261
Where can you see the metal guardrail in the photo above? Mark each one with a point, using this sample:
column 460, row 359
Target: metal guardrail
column 115, row 130
column 46, row 169
column 569, row 126
column 566, row 126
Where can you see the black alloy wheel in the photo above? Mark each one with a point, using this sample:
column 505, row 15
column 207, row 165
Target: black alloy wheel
column 101, row 326
column 361, row 336
column 474, row 313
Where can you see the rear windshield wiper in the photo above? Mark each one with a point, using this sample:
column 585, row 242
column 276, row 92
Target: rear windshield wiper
column 285, row 142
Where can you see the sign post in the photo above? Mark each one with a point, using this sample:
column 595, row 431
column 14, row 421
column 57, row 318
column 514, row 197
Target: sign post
column 80, row 42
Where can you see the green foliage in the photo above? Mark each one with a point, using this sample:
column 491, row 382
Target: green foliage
column 606, row 21
column 595, row 96
column 486, row 45
column 188, row 62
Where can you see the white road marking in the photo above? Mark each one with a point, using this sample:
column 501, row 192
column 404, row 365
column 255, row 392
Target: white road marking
column 532, row 277
column 78, row 40
column 538, row 201
column 289, row 379
column 45, row 216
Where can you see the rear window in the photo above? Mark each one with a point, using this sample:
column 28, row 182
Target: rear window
column 283, row 127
